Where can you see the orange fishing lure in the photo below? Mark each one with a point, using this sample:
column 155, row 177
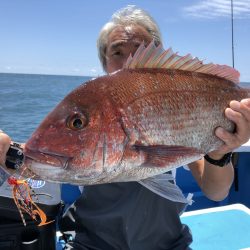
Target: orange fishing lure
column 22, row 194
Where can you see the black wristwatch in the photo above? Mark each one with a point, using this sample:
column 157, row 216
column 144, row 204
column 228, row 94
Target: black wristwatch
column 222, row 162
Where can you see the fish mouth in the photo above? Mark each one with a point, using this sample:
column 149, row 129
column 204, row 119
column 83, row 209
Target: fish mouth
column 42, row 164
column 45, row 157
column 54, row 167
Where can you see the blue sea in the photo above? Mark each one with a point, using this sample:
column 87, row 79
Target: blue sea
column 25, row 99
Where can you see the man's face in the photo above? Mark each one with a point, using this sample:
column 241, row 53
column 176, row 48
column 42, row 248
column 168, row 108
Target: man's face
column 123, row 41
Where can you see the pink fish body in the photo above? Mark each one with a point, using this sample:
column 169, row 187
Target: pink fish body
column 156, row 114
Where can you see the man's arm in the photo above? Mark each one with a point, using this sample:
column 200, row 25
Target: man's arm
column 216, row 181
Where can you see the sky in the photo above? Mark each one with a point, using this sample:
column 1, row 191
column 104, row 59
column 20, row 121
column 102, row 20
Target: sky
column 59, row 36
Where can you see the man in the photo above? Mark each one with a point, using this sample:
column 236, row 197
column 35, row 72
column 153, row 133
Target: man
column 128, row 215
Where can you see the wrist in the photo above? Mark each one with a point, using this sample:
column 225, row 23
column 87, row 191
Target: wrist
column 221, row 162
column 216, row 156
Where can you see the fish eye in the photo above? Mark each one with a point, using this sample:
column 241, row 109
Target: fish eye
column 77, row 121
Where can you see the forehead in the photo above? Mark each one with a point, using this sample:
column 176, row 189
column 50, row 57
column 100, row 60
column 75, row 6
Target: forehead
column 129, row 33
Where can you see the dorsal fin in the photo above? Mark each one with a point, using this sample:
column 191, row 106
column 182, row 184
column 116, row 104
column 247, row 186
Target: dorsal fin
column 156, row 57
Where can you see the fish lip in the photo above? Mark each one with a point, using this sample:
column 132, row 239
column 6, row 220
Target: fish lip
column 79, row 179
column 33, row 155
column 63, row 159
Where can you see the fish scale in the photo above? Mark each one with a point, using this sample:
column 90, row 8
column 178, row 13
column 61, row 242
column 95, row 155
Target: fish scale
column 189, row 103
column 157, row 113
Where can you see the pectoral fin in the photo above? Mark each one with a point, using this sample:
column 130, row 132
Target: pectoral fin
column 168, row 155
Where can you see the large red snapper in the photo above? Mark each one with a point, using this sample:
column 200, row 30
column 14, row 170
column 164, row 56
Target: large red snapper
column 156, row 114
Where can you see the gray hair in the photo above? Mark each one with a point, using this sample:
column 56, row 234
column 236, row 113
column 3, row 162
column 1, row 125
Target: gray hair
column 128, row 15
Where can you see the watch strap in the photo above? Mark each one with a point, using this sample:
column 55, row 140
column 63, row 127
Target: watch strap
column 221, row 162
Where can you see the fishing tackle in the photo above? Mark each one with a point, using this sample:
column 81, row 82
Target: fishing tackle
column 21, row 190
column 22, row 194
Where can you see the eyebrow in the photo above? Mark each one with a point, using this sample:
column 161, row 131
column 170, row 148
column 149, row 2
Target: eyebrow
column 118, row 44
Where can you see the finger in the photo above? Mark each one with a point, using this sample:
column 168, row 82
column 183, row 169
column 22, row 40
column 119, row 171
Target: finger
column 235, row 116
column 242, row 107
column 242, row 125
column 246, row 101
column 245, row 106
column 227, row 137
column 241, row 135
column 231, row 141
column 4, row 147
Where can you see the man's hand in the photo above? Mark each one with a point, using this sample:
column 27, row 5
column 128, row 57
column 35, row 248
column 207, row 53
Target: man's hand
column 4, row 146
column 239, row 113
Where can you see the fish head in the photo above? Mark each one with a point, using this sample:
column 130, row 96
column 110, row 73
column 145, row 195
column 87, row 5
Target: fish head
column 79, row 141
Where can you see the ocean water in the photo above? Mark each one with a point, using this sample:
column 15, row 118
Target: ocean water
column 25, row 99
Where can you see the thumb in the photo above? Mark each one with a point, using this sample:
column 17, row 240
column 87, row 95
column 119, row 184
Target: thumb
column 4, row 146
